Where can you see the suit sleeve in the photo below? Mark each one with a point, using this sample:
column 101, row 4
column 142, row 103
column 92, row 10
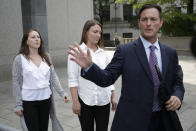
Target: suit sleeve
column 110, row 74
column 178, row 86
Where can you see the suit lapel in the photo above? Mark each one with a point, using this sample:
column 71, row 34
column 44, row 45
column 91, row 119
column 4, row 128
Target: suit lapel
column 164, row 58
column 141, row 53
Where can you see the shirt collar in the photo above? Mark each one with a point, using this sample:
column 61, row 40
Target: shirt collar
column 84, row 47
column 147, row 44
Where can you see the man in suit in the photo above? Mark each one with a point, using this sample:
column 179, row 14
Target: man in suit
column 138, row 108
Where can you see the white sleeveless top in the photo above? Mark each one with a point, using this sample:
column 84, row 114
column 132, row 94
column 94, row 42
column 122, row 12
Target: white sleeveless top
column 35, row 84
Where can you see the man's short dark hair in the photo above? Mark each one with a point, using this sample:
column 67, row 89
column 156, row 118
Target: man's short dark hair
column 148, row 6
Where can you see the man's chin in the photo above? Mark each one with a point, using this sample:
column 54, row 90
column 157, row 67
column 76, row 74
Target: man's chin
column 148, row 37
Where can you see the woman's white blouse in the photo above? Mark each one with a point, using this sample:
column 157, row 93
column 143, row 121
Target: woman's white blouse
column 35, row 84
column 90, row 93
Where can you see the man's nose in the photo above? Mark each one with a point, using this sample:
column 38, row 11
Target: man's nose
column 148, row 22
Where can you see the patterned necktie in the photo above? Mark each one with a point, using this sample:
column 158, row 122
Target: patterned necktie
column 153, row 62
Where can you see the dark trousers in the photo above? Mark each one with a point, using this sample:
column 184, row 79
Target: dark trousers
column 36, row 114
column 99, row 114
column 160, row 122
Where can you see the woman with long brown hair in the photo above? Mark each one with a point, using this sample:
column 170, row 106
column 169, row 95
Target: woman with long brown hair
column 34, row 78
column 90, row 101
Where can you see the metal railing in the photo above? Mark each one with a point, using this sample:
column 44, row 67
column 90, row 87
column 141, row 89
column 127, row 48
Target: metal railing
column 110, row 43
column 126, row 40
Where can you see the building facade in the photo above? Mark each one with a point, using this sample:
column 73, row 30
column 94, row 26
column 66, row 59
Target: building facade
column 59, row 21
column 117, row 18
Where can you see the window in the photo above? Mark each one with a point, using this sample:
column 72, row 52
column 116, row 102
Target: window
column 106, row 40
column 127, row 35
column 178, row 8
column 106, row 13
column 106, row 36
column 127, row 12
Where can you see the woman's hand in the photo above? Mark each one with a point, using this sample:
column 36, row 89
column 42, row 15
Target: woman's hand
column 66, row 99
column 19, row 113
column 76, row 108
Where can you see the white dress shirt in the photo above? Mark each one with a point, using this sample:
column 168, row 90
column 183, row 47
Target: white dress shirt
column 90, row 93
column 147, row 45
column 35, row 84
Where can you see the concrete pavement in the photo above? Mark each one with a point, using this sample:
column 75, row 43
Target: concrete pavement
column 70, row 121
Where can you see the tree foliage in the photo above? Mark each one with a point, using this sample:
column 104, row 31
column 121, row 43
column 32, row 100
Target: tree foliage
column 176, row 23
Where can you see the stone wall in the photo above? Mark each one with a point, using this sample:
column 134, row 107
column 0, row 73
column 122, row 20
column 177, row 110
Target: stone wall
column 10, row 35
column 181, row 44
column 65, row 22
column 60, row 23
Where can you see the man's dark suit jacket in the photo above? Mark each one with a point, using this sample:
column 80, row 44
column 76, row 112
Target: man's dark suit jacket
column 135, row 104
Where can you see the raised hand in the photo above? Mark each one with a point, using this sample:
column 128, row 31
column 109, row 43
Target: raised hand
column 82, row 59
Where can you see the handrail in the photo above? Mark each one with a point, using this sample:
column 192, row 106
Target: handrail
column 126, row 40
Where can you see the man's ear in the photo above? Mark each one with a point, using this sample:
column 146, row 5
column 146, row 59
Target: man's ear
column 138, row 22
column 161, row 21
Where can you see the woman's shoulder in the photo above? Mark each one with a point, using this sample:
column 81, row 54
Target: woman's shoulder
column 17, row 61
column 17, row 58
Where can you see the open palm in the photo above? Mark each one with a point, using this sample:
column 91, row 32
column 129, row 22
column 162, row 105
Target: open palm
column 82, row 59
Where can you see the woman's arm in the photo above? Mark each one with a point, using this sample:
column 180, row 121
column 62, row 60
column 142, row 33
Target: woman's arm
column 16, row 84
column 76, row 107
column 73, row 83
column 55, row 83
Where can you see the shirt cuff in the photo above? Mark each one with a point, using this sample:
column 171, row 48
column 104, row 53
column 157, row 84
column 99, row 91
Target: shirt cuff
column 86, row 69
column 112, row 87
